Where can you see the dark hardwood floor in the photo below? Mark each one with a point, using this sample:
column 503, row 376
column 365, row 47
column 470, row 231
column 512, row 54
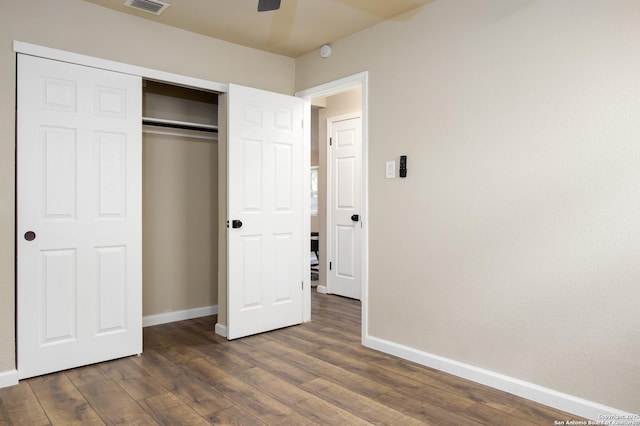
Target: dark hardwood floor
column 316, row 373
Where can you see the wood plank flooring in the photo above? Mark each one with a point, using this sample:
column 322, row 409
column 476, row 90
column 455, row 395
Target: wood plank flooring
column 313, row 374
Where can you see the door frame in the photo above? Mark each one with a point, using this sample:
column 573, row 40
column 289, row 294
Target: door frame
column 333, row 88
column 11, row 378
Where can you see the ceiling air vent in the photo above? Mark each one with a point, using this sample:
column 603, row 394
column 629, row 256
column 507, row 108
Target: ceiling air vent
column 152, row 6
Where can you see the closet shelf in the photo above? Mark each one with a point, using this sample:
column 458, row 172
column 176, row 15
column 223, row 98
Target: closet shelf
column 151, row 121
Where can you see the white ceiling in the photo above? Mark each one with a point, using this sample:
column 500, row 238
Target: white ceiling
column 298, row 27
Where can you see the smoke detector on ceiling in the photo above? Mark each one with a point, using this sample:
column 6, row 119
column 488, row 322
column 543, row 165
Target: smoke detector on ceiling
column 325, row 51
column 152, row 6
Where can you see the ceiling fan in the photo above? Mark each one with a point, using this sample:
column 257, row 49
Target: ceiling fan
column 267, row 5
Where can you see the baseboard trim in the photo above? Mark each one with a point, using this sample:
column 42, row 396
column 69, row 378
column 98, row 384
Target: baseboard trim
column 221, row 330
column 558, row 400
column 174, row 316
column 322, row 289
column 8, row 378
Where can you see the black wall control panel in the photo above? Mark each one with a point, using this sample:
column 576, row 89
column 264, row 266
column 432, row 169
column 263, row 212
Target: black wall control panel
column 403, row 166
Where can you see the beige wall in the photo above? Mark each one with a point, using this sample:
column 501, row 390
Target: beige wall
column 82, row 27
column 513, row 243
column 315, row 143
column 222, row 208
column 179, row 223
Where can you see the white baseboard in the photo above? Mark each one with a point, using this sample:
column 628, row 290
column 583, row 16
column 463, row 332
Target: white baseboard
column 174, row 316
column 322, row 289
column 8, row 378
column 558, row 400
column 221, row 330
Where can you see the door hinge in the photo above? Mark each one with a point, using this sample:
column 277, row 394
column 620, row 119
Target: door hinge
column 302, row 285
column 330, row 265
column 330, row 141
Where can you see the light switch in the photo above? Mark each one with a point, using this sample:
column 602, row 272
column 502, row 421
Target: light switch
column 391, row 169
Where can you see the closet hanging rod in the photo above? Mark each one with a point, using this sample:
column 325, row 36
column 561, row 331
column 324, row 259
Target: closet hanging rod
column 179, row 124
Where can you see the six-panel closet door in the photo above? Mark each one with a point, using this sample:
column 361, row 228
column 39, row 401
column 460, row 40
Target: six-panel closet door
column 265, row 211
column 79, row 266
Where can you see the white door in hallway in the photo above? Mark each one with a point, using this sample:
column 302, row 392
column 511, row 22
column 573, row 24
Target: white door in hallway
column 265, row 211
column 344, row 205
column 79, row 266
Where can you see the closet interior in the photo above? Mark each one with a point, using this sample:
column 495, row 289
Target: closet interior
column 180, row 198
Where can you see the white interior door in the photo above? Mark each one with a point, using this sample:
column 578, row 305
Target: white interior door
column 344, row 206
column 265, row 211
column 79, row 266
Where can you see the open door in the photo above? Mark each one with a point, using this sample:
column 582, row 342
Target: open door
column 79, row 265
column 265, row 211
column 344, row 206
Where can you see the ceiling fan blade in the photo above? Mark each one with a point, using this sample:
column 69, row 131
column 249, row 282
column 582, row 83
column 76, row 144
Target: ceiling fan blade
column 267, row 5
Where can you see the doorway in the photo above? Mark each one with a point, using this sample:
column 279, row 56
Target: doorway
column 179, row 202
column 333, row 99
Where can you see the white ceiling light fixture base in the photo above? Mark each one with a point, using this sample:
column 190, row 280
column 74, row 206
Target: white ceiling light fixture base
column 325, row 51
column 152, row 6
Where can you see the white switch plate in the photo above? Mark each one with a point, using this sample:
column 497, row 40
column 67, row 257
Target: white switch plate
column 391, row 169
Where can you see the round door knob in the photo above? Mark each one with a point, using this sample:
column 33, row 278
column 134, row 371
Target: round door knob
column 29, row 235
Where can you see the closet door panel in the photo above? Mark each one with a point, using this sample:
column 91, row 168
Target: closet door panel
column 78, row 215
column 265, row 211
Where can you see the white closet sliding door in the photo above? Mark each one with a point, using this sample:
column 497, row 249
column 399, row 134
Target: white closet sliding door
column 79, row 266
